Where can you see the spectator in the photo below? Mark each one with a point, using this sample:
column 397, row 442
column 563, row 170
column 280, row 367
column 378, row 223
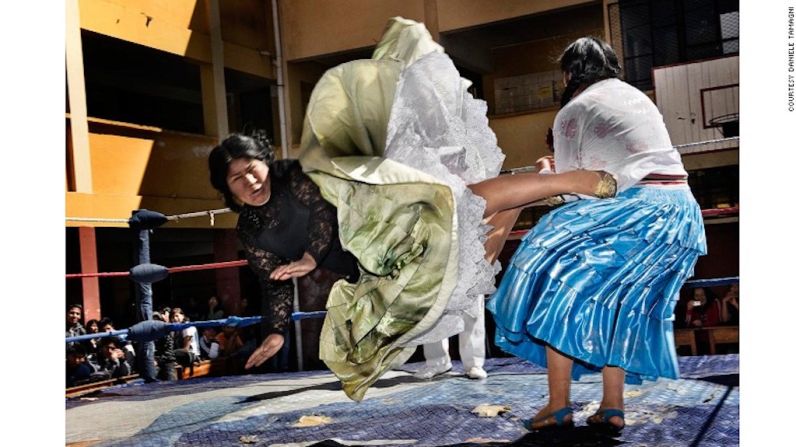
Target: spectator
column 214, row 310
column 236, row 344
column 92, row 346
column 192, row 311
column 164, row 349
column 74, row 317
column 78, row 368
column 187, row 340
column 208, row 345
column 113, row 359
column 244, row 307
column 730, row 306
column 106, row 325
column 703, row 310
column 229, row 341
column 165, row 312
column 92, row 327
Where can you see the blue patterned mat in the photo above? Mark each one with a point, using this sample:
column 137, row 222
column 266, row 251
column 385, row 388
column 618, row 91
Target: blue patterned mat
column 260, row 410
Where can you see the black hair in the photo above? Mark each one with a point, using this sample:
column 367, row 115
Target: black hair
column 90, row 322
column 587, row 60
column 255, row 146
column 106, row 321
column 71, row 306
column 178, row 310
column 76, row 350
column 710, row 296
column 108, row 340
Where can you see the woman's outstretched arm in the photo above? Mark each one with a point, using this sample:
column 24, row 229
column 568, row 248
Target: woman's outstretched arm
column 512, row 191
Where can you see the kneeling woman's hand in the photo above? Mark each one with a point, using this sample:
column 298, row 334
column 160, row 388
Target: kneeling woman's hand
column 270, row 346
column 295, row 269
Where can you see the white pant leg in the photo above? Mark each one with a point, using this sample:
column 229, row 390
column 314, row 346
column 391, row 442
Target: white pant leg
column 436, row 353
column 472, row 346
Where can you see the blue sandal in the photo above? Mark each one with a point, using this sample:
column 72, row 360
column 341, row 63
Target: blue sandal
column 555, row 420
column 601, row 421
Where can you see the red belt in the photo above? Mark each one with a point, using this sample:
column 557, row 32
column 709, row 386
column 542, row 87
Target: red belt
column 664, row 179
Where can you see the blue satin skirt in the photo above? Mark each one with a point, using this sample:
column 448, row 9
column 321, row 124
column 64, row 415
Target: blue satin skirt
column 598, row 280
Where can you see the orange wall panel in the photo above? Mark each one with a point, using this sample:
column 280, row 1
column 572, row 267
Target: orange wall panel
column 522, row 137
column 178, row 12
column 165, row 165
column 459, row 14
column 179, row 28
column 313, row 28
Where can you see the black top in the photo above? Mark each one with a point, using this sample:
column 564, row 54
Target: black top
column 296, row 219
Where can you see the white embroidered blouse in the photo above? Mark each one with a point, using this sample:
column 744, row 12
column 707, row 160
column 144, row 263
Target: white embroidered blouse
column 614, row 127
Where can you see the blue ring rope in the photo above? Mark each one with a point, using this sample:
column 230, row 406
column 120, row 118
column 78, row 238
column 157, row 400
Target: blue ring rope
column 173, row 327
column 296, row 316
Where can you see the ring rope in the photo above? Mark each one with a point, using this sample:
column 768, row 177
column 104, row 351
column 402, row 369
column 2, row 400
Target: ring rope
column 210, row 213
column 702, row 143
column 229, row 264
column 152, row 329
column 185, row 268
column 174, row 217
column 96, row 219
column 715, row 282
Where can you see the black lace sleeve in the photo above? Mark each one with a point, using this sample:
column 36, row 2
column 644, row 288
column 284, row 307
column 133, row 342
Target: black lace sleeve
column 277, row 295
column 323, row 215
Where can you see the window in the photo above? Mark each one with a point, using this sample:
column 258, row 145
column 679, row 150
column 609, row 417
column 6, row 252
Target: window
column 715, row 187
column 664, row 32
column 135, row 84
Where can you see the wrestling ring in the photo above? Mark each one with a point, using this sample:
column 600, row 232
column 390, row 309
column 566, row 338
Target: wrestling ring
column 309, row 408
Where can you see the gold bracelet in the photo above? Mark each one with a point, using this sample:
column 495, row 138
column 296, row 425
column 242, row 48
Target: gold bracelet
column 606, row 188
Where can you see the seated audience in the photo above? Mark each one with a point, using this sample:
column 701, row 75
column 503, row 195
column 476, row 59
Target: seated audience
column 164, row 350
column 106, row 325
column 214, row 310
column 74, row 318
column 208, row 345
column 78, row 368
column 92, row 346
column 113, row 360
column 703, row 310
column 186, row 341
column 730, row 306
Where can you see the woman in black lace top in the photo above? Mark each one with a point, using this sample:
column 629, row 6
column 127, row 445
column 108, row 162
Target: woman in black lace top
column 286, row 228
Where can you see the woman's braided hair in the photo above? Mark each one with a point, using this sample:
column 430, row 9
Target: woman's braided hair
column 587, row 60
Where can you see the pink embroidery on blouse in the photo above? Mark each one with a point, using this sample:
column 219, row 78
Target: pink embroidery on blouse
column 570, row 128
column 601, row 129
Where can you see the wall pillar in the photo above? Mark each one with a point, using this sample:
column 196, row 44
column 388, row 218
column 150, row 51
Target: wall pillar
column 431, row 19
column 80, row 156
column 88, row 264
column 225, row 248
column 214, row 91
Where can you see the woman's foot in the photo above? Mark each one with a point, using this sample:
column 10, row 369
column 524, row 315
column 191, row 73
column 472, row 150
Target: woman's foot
column 611, row 420
column 548, row 419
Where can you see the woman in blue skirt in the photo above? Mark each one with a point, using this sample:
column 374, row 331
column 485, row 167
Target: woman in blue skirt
column 593, row 286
